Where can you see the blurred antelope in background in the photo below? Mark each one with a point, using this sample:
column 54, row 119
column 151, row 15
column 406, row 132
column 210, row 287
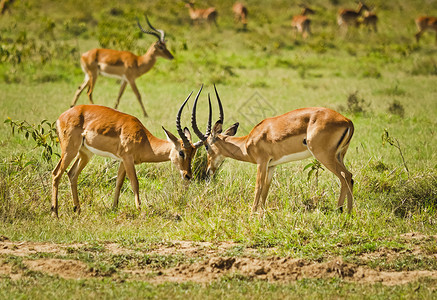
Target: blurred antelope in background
column 123, row 65
column 240, row 13
column 302, row 22
column 198, row 15
column 370, row 20
column 85, row 130
column 423, row 23
column 5, row 5
column 350, row 17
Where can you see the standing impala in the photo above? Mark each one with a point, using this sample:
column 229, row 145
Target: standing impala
column 198, row 15
column 424, row 23
column 240, row 13
column 85, row 130
column 123, row 65
column 296, row 135
column 302, row 22
column 350, row 17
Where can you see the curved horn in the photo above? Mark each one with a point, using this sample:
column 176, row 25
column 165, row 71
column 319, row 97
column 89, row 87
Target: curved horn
column 147, row 31
column 196, row 130
column 222, row 115
column 184, row 138
column 161, row 32
column 208, row 127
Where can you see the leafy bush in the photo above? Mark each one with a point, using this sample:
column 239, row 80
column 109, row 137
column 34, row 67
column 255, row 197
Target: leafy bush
column 396, row 108
column 43, row 134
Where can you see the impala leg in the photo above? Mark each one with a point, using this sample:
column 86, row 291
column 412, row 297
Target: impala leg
column 120, row 93
column 137, row 93
column 120, row 179
column 64, row 162
column 418, row 35
column 334, row 163
column 260, row 182
column 132, row 175
column 79, row 91
column 80, row 163
column 266, row 187
column 92, row 83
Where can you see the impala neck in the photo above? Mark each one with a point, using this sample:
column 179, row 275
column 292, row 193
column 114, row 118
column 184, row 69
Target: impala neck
column 233, row 147
column 160, row 150
column 148, row 60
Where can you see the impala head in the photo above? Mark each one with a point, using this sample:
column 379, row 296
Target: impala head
column 306, row 10
column 189, row 4
column 184, row 150
column 362, row 7
column 160, row 47
column 210, row 138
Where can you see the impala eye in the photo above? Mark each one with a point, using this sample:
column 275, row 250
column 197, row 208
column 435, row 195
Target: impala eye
column 181, row 154
column 207, row 147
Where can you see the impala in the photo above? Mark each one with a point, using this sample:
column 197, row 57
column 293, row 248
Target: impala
column 85, row 130
column 370, row 20
column 350, row 17
column 240, row 13
column 198, row 15
column 296, row 135
column 123, row 65
column 424, row 23
column 302, row 23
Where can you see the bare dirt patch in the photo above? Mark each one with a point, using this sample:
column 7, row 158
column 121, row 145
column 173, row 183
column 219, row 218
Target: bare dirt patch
column 211, row 262
column 65, row 268
column 278, row 269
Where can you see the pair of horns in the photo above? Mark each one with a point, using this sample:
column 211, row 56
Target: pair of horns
column 196, row 130
column 159, row 33
column 200, row 135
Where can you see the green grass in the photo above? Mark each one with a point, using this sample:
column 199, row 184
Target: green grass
column 41, row 287
column 40, row 44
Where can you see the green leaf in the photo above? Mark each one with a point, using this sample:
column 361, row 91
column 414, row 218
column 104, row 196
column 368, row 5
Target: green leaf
column 308, row 166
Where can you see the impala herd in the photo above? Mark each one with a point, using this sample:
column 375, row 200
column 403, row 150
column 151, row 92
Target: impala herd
column 317, row 132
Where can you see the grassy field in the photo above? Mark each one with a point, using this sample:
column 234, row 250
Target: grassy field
column 384, row 82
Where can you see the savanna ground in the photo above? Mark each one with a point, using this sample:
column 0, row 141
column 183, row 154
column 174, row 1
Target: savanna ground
column 198, row 241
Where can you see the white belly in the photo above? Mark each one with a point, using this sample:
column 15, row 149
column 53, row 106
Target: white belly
column 103, row 71
column 100, row 152
column 290, row 157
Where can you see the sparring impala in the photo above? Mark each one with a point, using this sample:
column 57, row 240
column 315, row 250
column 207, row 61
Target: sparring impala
column 299, row 134
column 123, row 65
column 85, row 130
column 424, row 23
column 302, row 22
column 350, row 17
column 198, row 15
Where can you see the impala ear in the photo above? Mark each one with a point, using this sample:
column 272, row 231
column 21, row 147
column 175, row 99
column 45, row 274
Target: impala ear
column 187, row 133
column 173, row 139
column 232, row 130
column 217, row 129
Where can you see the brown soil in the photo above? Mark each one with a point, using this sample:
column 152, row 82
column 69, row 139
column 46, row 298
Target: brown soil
column 212, row 261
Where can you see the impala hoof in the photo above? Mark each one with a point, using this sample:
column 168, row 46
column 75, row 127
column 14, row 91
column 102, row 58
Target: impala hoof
column 54, row 213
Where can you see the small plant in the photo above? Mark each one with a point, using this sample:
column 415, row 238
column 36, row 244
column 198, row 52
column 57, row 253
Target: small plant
column 199, row 165
column 396, row 108
column 43, row 134
column 314, row 168
column 395, row 143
